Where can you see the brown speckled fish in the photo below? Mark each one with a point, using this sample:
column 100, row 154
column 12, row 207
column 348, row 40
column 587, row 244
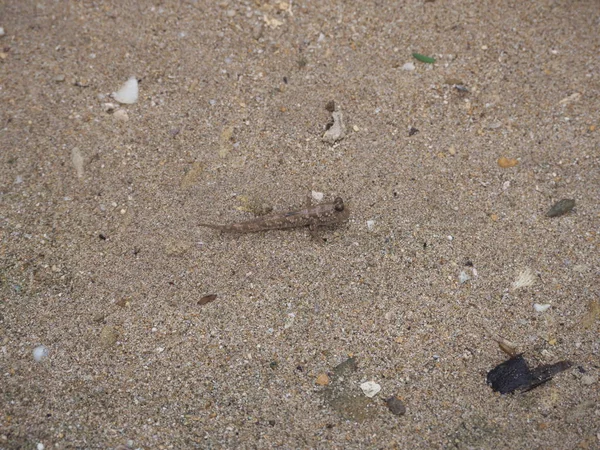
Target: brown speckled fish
column 314, row 217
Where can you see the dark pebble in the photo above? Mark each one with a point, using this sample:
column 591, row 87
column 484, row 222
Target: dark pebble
column 561, row 207
column 396, row 406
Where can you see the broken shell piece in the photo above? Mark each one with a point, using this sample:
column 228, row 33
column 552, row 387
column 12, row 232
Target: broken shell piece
column 318, row 196
column 463, row 277
column 109, row 107
column 370, row 388
column 337, row 131
column 505, row 345
column 541, row 308
column 121, row 114
column 526, row 278
column 128, row 94
column 40, row 353
column 77, row 159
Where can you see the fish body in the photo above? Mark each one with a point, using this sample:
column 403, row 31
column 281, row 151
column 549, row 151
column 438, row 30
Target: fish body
column 318, row 216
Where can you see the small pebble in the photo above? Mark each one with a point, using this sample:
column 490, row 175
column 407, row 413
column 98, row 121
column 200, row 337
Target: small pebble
column 506, row 163
column 323, row 379
column 2, row 33
column 562, row 207
column 541, row 308
column 40, row 353
column 370, row 388
column 370, row 225
column 408, row 67
column 396, row 406
column 59, row 78
column 463, row 277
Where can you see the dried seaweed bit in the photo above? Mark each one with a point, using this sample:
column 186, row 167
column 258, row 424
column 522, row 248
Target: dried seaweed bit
column 514, row 375
column 207, row 299
column 396, row 406
column 423, row 58
column 561, row 207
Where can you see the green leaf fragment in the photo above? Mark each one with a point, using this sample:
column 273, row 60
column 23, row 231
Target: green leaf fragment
column 423, row 58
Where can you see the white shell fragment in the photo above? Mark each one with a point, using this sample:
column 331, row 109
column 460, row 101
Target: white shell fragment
column 128, row 94
column 318, row 196
column 463, row 277
column 77, row 160
column 370, row 225
column 121, row 114
column 541, row 307
column 40, row 353
column 109, row 107
column 525, row 278
column 337, row 131
column 370, row 388
column 408, row 67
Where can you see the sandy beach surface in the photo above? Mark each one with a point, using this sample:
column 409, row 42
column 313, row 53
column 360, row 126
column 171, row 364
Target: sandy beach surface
column 152, row 332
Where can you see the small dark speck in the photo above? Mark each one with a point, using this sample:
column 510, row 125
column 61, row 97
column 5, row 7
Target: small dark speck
column 272, row 423
column 469, row 263
column 424, row 244
column 412, row 131
column 581, row 369
column 102, row 237
column 330, row 106
column 299, row 368
column 285, row 80
column 329, row 426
